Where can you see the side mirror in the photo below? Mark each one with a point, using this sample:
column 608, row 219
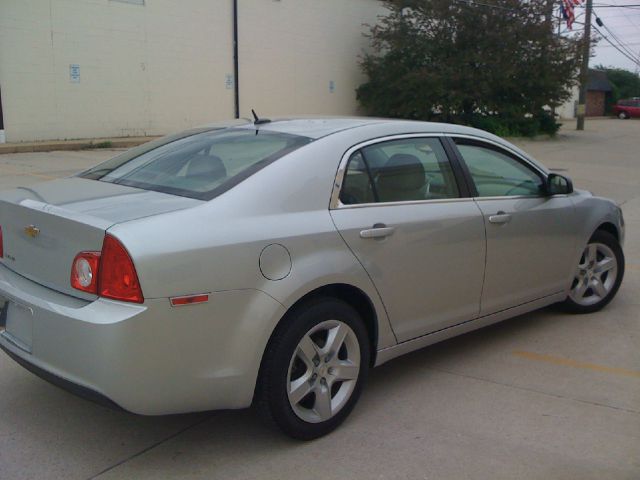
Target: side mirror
column 559, row 185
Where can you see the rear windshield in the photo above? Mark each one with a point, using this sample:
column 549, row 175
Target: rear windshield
column 200, row 166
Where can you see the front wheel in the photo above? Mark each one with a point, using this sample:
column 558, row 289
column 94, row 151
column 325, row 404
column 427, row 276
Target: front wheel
column 623, row 115
column 314, row 369
column 597, row 276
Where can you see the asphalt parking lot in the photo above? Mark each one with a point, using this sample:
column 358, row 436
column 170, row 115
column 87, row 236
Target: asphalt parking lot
column 543, row 396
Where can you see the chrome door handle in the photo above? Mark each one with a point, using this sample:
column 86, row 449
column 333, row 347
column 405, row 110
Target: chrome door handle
column 379, row 230
column 500, row 218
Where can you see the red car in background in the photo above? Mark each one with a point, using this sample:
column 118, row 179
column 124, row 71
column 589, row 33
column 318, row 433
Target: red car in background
column 627, row 108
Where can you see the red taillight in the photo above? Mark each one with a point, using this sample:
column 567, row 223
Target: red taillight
column 110, row 273
column 117, row 277
column 84, row 272
column 1, row 244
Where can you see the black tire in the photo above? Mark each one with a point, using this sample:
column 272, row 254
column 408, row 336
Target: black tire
column 623, row 115
column 272, row 399
column 600, row 236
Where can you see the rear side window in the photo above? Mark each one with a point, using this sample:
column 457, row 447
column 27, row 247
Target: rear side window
column 398, row 171
column 356, row 186
column 200, row 166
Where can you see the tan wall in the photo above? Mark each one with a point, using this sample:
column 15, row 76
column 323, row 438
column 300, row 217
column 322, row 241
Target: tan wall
column 143, row 69
column 290, row 51
column 161, row 67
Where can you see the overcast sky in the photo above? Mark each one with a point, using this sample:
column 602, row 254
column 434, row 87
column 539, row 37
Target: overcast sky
column 625, row 25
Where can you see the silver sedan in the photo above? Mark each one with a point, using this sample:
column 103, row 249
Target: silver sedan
column 274, row 263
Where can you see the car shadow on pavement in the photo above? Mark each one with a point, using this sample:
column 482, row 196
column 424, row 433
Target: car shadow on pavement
column 440, row 356
column 57, row 424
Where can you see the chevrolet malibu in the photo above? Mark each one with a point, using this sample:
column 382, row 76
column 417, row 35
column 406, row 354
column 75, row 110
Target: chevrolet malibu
column 275, row 263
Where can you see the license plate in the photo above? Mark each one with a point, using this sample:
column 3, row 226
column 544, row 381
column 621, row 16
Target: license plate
column 18, row 320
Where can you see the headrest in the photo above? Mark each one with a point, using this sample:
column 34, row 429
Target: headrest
column 402, row 172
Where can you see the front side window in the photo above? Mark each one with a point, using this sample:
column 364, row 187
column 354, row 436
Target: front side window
column 397, row 171
column 199, row 166
column 498, row 174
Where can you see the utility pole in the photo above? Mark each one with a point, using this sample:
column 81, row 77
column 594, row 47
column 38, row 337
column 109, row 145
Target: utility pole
column 584, row 70
column 236, row 62
column 548, row 14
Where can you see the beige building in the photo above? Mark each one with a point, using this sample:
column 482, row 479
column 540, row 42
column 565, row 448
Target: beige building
column 100, row 68
column 567, row 110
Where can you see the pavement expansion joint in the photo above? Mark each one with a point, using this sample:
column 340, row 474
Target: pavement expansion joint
column 535, row 390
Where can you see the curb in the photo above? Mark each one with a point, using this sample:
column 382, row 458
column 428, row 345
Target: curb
column 86, row 144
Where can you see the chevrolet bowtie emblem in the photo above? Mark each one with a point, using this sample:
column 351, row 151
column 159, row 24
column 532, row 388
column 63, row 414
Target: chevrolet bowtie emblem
column 32, row 231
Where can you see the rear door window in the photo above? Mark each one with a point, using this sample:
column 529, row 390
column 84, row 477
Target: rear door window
column 200, row 166
column 398, row 171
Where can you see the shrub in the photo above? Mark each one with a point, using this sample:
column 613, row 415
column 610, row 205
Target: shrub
column 460, row 62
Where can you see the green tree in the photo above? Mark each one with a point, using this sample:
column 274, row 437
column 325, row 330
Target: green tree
column 495, row 65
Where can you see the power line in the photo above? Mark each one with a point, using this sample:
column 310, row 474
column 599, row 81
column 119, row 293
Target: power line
column 628, row 45
column 632, row 59
column 628, row 17
column 605, row 5
column 621, row 43
column 620, row 46
column 473, row 3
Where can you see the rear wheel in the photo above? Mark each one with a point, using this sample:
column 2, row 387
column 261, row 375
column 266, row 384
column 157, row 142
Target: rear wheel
column 314, row 369
column 597, row 276
column 623, row 115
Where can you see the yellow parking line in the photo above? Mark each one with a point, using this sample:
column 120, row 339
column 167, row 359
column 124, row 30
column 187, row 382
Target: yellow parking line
column 567, row 362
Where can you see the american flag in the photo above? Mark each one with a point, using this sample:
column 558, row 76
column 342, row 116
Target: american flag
column 567, row 9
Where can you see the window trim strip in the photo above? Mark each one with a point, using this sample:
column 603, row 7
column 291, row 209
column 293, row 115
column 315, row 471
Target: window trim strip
column 342, row 206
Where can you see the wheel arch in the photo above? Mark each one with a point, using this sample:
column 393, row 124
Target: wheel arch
column 357, row 299
column 609, row 228
column 349, row 294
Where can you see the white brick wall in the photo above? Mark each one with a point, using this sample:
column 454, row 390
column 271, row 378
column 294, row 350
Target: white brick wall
column 161, row 67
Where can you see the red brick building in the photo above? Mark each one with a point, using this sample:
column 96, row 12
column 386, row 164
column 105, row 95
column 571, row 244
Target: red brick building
column 598, row 90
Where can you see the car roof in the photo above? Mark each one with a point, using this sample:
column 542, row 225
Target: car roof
column 318, row 127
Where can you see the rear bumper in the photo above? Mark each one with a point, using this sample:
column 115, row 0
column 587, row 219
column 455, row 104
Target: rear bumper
column 150, row 359
column 71, row 387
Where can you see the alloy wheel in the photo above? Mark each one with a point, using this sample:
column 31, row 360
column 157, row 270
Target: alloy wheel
column 595, row 275
column 323, row 371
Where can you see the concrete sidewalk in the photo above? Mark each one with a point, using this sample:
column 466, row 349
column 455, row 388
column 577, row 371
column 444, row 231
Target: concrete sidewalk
column 80, row 144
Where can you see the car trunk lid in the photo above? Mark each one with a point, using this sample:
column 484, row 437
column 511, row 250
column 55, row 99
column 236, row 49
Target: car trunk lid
column 45, row 226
